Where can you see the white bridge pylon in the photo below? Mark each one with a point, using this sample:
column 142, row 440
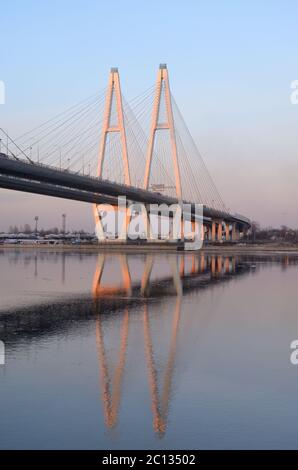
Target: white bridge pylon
column 113, row 92
column 162, row 90
column 163, row 84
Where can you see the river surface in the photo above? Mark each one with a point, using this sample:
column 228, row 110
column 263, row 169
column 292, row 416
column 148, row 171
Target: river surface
column 156, row 351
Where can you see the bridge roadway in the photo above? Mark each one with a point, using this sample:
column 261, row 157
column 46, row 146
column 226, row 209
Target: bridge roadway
column 37, row 178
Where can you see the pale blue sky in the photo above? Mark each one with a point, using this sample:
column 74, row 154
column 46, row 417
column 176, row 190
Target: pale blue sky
column 231, row 64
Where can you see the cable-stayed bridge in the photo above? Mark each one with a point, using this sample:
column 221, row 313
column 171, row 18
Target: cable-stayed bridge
column 104, row 147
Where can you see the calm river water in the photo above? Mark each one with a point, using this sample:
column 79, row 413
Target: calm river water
column 135, row 351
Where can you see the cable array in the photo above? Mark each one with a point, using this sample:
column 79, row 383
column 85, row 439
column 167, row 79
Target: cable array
column 70, row 141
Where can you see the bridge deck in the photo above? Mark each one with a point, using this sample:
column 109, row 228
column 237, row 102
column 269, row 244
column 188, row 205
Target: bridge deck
column 41, row 179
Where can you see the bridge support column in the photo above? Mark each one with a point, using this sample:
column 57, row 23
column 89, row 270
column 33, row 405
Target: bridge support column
column 227, row 231
column 208, row 232
column 235, row 232
column 101, row 211
column 213, row 231
column 205, row 231
column 116, row 219
column 219, row 231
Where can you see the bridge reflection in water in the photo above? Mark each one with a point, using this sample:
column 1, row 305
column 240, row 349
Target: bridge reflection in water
column 133, row 348
column 184, row 269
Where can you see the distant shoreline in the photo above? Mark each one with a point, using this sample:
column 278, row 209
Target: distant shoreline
column 156, row 247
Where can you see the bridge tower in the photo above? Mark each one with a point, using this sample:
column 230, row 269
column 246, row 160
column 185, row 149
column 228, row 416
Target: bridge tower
column 163, row 85
column 113, row 92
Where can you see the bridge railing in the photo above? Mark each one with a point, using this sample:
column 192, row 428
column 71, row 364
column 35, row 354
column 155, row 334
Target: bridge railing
column 13, row 157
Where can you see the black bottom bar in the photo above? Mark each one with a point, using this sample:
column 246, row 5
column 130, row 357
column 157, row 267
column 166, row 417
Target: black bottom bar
column 133, row 459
